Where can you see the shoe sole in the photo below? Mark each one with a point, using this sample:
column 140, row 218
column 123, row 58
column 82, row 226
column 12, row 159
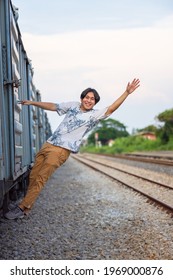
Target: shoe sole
column 11, row 218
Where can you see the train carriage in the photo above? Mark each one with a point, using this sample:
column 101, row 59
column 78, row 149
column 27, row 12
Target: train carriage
column 22, row 129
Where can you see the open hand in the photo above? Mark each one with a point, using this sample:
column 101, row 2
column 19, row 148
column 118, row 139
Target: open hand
column 132, row 86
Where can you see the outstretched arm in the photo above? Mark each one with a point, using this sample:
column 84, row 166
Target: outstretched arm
column 44, row 105
column 129, row 89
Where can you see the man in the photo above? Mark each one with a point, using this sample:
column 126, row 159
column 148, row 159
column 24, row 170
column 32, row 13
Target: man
column 80, row 118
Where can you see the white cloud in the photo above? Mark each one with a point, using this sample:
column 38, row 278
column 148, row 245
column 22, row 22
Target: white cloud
column 67, row 63
column 166, row 22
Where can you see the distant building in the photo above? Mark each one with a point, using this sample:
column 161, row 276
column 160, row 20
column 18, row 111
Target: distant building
column 110, row 142
column 147, row 135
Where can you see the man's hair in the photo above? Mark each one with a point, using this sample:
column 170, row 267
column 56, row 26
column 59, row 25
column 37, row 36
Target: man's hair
column 86, row 91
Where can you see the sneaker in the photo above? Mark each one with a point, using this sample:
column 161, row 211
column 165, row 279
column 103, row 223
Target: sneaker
column 11, row 206
column 15, row 213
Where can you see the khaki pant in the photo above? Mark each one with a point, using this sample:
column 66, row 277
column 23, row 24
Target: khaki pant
column 48, row 159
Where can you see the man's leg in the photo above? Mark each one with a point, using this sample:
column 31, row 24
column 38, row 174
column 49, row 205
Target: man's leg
column 48, row 159
column 54, row 157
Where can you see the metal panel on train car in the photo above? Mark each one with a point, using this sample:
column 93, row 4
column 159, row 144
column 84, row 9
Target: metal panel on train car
column 6, row 110
column 48, row 130
column 6, row 115
column 1, row 112
column 18, row 168
column 40, row 112
column 33, row 111
column 24, row 114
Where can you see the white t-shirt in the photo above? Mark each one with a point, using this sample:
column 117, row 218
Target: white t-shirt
column 75, row 125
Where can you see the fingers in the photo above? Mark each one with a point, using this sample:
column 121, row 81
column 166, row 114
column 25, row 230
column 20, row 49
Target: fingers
column 136, row 82
column 23, row 102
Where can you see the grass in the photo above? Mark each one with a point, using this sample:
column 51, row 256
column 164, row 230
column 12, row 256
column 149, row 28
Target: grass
column 130, row 144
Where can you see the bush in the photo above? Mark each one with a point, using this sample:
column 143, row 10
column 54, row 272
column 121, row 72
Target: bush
column 131, row 144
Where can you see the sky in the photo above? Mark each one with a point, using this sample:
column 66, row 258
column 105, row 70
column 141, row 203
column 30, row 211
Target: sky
column 104, row 44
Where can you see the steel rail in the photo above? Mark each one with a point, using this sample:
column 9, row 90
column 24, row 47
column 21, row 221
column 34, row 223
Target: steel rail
column 153, row 199
column 135, row 175
column 141, row 159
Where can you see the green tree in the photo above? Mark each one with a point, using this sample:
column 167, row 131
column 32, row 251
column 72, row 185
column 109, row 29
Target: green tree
column 166, row 116
column 108, row 129
column 149, row 128
column 166, row 131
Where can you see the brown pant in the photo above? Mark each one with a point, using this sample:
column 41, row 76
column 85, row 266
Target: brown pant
column 48, row 159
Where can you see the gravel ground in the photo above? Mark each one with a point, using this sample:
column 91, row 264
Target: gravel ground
column 82, row 214
column 150, row 173
column 154, row 167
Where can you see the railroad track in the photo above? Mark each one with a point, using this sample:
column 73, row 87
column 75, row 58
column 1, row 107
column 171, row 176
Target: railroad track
column 155, row 159
column 158, row 190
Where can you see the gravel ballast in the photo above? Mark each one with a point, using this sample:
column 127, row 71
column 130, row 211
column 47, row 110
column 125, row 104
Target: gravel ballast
column 82, row 214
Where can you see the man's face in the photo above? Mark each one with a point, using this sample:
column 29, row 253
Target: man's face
column 88, row 102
